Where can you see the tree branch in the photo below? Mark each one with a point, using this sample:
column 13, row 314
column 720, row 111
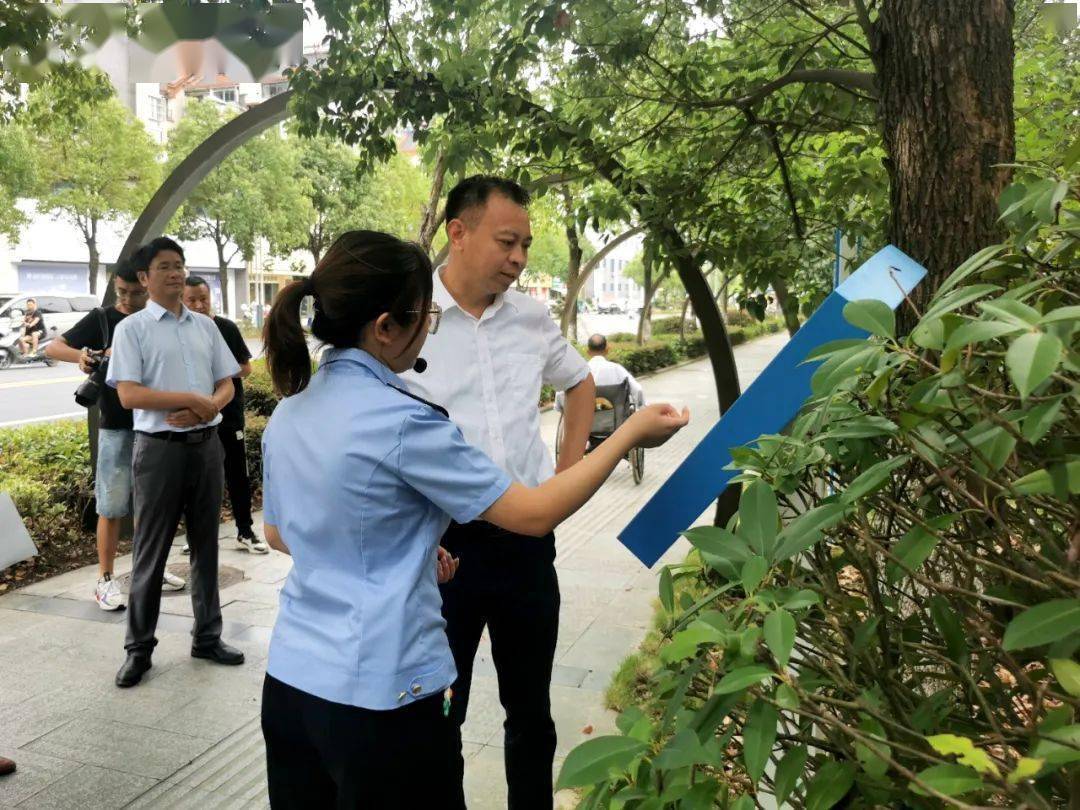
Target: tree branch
column 844, row 79
column 770, row 136
column 863, row 15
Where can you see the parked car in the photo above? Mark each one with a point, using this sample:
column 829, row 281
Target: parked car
column 609, row 309
column 60, row 312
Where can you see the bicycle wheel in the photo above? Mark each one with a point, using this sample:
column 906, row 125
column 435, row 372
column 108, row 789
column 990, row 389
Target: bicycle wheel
column 558, row 438
column 637, row 463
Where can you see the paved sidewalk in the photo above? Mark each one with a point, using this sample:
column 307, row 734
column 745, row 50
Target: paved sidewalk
column 189, row 735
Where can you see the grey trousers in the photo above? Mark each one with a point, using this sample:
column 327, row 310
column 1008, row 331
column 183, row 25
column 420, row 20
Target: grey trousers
column 174, row 480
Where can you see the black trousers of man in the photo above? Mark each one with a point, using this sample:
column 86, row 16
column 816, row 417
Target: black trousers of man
column 237, row 482
column 175, row 475
column 507, row 582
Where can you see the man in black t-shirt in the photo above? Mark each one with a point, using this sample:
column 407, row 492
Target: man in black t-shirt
column 231, row 428
column 33, row 330
column 89, row 343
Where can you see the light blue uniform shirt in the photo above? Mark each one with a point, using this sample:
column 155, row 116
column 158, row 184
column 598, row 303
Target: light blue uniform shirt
column 154, row 348
column 360, row 480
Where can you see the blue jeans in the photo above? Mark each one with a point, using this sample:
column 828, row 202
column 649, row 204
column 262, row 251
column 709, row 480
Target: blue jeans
column 112, row 485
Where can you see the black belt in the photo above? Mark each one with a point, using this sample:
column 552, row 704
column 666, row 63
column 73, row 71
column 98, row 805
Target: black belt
column 187, row 437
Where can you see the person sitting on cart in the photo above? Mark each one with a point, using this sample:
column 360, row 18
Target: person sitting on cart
column 607, row 372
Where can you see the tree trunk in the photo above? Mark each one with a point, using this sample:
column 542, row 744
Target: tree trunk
column 652, row 284
column 223, row 273
column 432, row 217
column 682, row 318
column 572, row 290
column 788, row 306
column 95, row 256
column 315, row 241
column 440, row 257
column 573, row 270
column 945, row 81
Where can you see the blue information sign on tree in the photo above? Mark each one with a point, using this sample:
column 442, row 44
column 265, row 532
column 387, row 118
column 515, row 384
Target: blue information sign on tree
column 766, row 407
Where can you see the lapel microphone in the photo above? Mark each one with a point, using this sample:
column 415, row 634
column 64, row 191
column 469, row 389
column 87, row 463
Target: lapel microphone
column 420, row 365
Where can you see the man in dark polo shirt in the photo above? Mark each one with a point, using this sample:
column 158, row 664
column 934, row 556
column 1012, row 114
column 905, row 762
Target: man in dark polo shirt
column 231, row 429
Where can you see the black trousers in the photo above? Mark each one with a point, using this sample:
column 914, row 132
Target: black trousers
column 170, row 480
column 321, row 754
column 508, row 583
column 236, row 475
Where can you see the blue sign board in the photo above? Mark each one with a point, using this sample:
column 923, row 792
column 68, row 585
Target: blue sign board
column 765, row 407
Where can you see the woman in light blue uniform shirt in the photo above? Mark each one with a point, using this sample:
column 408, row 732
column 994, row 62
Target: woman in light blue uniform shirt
column 360, row 480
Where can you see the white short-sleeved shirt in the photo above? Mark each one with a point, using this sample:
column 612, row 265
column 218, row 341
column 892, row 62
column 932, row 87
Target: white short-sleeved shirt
column 488, row 373
column 607, row 372
column 154, row 348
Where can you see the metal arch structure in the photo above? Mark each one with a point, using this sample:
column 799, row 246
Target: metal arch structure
column 191, row 171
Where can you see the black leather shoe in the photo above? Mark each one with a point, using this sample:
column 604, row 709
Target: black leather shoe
column 219, row 653
column 132, row 670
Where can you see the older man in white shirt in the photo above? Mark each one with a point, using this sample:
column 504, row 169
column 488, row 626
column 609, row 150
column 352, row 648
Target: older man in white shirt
column 494, row 350
column 606, row 372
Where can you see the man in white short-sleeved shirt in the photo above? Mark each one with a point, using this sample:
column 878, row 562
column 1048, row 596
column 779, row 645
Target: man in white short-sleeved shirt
column 494, row 350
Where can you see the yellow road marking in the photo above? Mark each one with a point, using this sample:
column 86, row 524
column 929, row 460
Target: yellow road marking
column 54, row 381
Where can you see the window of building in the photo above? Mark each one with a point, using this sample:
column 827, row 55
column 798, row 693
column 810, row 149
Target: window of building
column 228, row 94
column 271, row 90
column 159, row 108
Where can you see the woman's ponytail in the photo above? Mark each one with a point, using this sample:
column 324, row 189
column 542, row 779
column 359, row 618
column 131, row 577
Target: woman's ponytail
column 362, row 275
column 285, row 344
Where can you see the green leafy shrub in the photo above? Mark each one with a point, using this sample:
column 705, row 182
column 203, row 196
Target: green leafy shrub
column 259, row 396
column 892, row 618
column 46, row 470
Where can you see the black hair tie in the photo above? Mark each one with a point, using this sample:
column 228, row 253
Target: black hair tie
column 309, row 286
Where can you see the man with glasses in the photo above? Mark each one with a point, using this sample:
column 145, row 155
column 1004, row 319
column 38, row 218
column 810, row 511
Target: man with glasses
column 89, row 343
column 174, row 370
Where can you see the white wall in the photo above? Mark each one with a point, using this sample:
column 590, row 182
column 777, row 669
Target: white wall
column 609, row 285
column 57, row 243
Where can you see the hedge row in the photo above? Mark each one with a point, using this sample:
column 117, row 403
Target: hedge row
column 46, row 467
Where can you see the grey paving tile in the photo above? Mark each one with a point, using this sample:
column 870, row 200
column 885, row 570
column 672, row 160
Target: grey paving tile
column 602, row 646
column 579, row 714
column 34, row 772
column 567, row 676
column 250, row 613
column 211, row 717
column 90, row 788
column 598, row 680
column 84, row 609
column 129, row 748
column 485, row 715
column 38, row 716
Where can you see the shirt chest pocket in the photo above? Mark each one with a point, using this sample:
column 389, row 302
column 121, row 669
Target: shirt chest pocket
column 522, row 373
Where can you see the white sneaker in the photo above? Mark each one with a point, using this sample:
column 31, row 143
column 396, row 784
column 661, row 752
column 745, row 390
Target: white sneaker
column 250, row 542
column 107, row 594
column 185, row 549
column 171, row 582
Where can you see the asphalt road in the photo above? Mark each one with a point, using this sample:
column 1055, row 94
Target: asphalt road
column 37, row 393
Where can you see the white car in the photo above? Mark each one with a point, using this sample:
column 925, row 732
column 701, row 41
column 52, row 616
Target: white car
column 60, row 312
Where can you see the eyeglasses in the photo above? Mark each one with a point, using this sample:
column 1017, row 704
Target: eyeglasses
column 434, row 312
